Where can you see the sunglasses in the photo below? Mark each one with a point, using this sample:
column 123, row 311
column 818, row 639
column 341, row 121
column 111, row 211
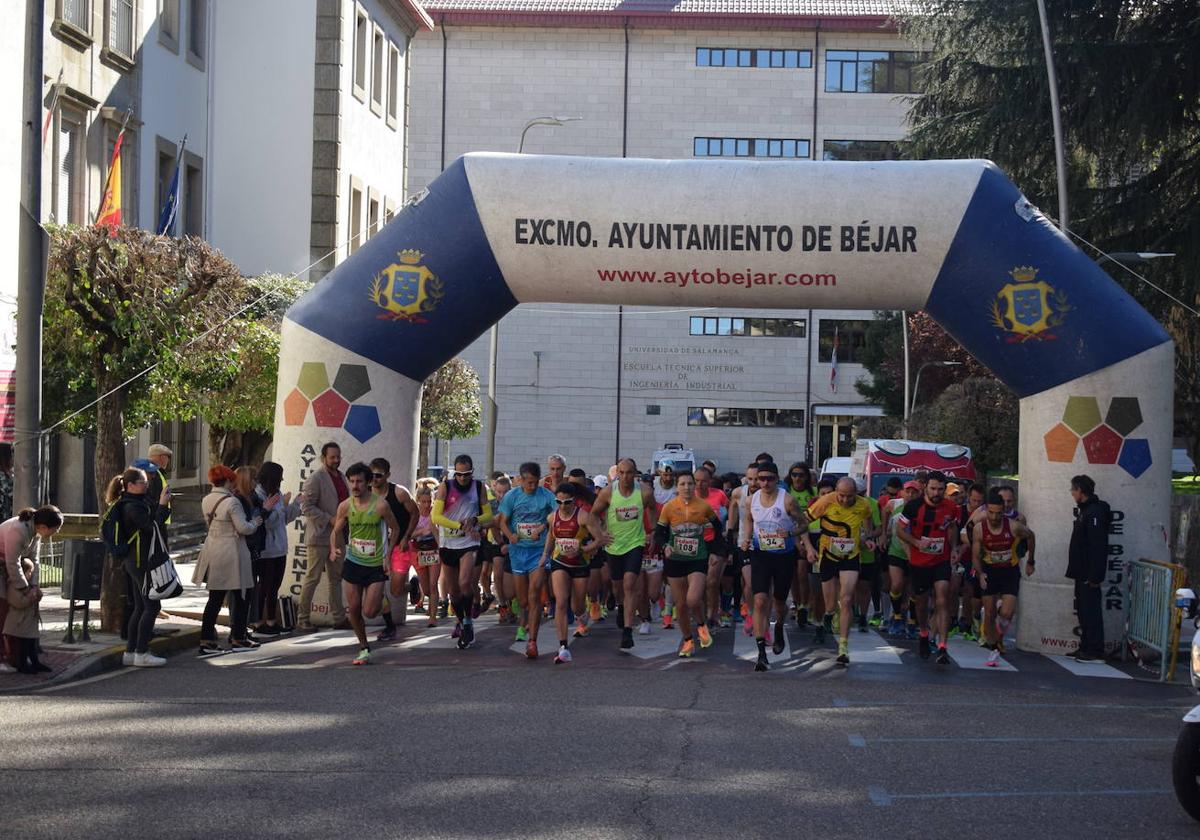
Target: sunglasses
column 768, row 478
column 464, row 473
column 378, row 476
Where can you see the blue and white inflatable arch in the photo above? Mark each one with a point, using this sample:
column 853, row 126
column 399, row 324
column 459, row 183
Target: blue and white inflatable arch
column 1094, row 371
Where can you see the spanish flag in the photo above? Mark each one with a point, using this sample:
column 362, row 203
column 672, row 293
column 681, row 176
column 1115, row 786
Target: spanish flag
column 110, row 206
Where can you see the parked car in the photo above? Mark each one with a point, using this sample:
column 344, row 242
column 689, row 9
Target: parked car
column 835, row 468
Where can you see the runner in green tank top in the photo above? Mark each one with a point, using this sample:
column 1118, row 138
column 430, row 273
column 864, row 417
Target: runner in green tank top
column 364, row 574
column 617, row 520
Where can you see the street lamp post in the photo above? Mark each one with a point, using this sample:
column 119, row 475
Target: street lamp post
column 917, row 381
column 1060, row 151
column 494, row 335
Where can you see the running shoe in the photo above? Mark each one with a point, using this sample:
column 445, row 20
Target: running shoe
column 819, row 635
column 923, row 647
column 644, row 629
column 687, row 650
column 876, row 620
column 443, row 609
column 476, row 609
column 667, row 617
column 363, row 658
column 503, row 613
column 626, row 638
column 206, row 649
column 912, row 631
column 432, row 623
column 611, row 602
column 603, row 613
column 993, row 660
column 457, row 631
column 487, row 602
column 862, row 624
column 386, row 635
column 802, row 617
column 531, row 649
column 581, row 630
column 725, row 620
column 843, row 660
column 745, row 612
column 780, row 639
column 706, row 639
column 564, row 656
column 522, row 634
column 468, row 635
column 748, row 628
column 243, row 644
column 594, row 611
column 761, row 664
column 943, row 656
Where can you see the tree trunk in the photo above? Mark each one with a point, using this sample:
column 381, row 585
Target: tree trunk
column 254, row 447
column 216, row 442
column 423, row 454
column 108, row 462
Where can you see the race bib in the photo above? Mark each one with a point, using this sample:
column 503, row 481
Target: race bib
column 689, row 546
column 1000, row 558
column 567, row 546
column 649, row 565
column 527, row 530
column 364, row 548
column 427, row 558
column 453, row 532
column 936, row 546
column 628, row 514
column 841, row 546
column 772, row 540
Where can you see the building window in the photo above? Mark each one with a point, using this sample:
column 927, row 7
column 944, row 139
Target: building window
column 393, row 84
column 377, row 68
column 120, row 28
column 870, row 71
column 356, row 216
column 654, row 410
column 851, row 338
column 70, row 157
column 188, row 459
column 164, row 172
column 861, row 150
column 361, row 29
column 760, row 147
column 753, row 327
column 373, row 207
column 77, row 13
column 778, row 418
column 168, row 24
column 763, row 58
column 192, row 200
column 197, row 31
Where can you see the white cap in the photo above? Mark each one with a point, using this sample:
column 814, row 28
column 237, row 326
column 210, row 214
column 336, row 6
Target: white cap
column 600, row 481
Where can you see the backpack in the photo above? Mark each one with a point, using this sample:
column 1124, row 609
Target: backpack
column 110, row 532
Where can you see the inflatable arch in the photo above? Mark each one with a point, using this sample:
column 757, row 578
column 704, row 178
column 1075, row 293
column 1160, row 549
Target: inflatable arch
column 1093, row 370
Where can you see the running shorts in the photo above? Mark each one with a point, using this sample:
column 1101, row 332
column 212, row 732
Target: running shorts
column 451, row 557
column 357, row 574
column 524, row 558
column 629, row 563
column 683, row 568
column 717, row 546
column 488, row 551
column 900, row 563
column 402, row 561
column 574, row 571
column 769, row 570
column 598, row 560
column 1002, row 580
column 831, row 568
column 869, row 572
column 924, row 577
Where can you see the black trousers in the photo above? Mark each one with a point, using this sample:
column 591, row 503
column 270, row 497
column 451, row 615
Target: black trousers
column 143, row 612
column 1091, row 618
column 239, row 605
column 268, row 577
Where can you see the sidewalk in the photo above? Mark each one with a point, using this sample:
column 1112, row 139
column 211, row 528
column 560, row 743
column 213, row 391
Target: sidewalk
column 103, row 651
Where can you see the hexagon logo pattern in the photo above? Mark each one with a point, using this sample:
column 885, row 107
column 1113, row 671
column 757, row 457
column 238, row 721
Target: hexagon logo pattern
column 1105, row 441
column 333, row 406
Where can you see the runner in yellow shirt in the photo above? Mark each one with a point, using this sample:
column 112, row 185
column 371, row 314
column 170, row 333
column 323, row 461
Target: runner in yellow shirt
column 846, row 528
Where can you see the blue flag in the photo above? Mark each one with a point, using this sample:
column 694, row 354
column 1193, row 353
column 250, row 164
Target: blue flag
column 166, row 217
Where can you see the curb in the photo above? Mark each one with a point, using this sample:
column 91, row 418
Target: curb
column 109, row 659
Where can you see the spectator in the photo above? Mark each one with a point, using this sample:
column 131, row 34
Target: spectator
column 138, row 523
column 324, row 490
column 159, row 457
column 224, row 565
column 17, row 537
column 1087, row 562
column 269, row 568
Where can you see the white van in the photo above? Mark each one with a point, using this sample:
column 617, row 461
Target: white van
column 683, row 459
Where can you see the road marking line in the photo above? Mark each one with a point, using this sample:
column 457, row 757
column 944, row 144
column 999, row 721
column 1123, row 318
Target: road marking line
column 843, row 703
column 128, row 669
column 872, row 649
column 1088, row 669
column 860, row 741
column 882, row 798
column 971, row 656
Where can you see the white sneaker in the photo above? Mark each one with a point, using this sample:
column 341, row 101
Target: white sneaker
column 5, row 668
column 127, row 658
column 564, row 656
column 644, row 629
column 148, row 660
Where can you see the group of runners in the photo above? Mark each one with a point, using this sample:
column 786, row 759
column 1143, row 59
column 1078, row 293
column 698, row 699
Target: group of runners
column 928, row 559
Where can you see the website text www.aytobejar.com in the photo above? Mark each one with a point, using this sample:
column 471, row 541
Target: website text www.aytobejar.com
column 695, row 277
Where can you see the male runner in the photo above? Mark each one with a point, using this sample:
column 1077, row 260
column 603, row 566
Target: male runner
column 867, row 592
column 994, row 553
column 812, row 539
column 570, row 546
column 496, row 546
column 846, row 528
column 739, row 501
column 460, row 506
column 800, row 487
column 964, row 585
column 897, row 560
column 556, row 472
column 370, row 545
column 653, row 562
column 929, row 527
column 714, row 541
column 616, row 521
column 682, row 524
column 404, row 509
column 770, row 524
column 523, row 516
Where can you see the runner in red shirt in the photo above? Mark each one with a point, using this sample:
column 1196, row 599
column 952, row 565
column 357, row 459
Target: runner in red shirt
column 929, row 527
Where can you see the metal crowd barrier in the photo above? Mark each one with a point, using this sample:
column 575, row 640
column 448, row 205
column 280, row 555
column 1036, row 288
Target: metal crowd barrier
column 1152, row 619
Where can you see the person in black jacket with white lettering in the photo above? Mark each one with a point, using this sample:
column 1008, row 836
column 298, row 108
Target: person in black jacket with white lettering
column 1087, row 565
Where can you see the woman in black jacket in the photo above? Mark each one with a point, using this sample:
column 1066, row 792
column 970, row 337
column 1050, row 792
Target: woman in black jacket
column 138, row 524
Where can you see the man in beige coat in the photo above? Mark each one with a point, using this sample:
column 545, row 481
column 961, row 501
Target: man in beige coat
column 324, row 490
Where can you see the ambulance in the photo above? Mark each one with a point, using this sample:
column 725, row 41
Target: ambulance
column 875, row 461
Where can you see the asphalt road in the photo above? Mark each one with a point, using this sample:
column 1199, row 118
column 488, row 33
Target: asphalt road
column 291, row 741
